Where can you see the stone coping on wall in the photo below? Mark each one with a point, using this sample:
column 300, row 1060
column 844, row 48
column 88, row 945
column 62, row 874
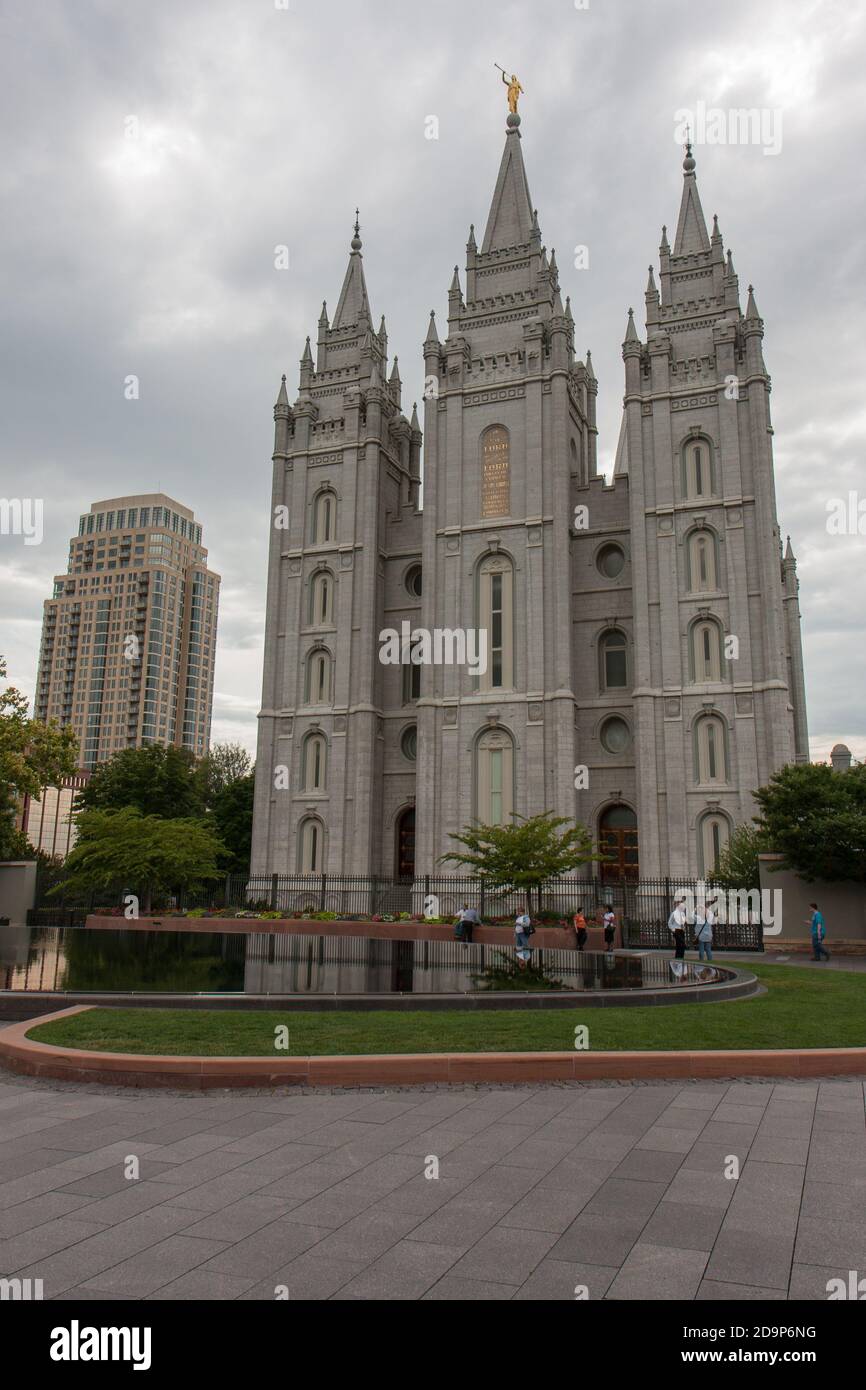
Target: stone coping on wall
column 31, row 1058
column 549, row 938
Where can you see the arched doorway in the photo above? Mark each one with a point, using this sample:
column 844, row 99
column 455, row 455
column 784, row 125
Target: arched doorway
column 617, row 839
column 404, row 865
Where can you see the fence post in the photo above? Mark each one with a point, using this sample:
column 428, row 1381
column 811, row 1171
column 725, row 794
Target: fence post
column 274, row 881
column 322, row 901
column 481, row 909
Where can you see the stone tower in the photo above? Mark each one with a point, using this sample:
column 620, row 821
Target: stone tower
column 346, row 469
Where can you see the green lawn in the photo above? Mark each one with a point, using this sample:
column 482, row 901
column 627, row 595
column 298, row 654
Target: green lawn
column 802, row 1008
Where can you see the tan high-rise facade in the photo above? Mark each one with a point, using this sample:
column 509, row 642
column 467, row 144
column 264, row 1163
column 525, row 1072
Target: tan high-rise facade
column 129, row 634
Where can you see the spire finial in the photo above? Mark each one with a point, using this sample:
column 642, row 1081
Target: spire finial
column 689, row 162
column 356, row 240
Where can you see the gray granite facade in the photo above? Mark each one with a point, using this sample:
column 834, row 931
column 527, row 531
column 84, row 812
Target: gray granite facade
column 645, row 670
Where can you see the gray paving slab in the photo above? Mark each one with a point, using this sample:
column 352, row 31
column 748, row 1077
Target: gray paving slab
column 544, row 1192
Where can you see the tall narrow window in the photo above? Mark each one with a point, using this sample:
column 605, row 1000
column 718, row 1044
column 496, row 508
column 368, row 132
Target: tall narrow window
column 713, row 836
column 712, row 759
column 706, row 651
column 324, row 518
column 613, row 660
column 698, row 469
column 318, row 690
column 703, row 576
column 494, row 778
column 314, row 763
column 322, row 599
column 495, row 621
column 311, row 846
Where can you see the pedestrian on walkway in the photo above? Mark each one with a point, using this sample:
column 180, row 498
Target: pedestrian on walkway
column 466, row 924
column 705, row 920
column 819, row 931
column 580, row 929
column 677, row 928
column 609, row 923
column 523, row 930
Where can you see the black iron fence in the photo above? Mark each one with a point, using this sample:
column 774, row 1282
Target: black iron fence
column 642, row 905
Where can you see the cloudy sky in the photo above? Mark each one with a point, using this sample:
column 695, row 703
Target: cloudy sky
column 155, row 154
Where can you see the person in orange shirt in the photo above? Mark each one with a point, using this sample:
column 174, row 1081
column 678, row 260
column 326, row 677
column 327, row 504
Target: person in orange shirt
column 580, row 929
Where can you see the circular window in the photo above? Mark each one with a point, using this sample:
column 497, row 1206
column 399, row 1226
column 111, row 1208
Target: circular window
column 409, row 743
column 413, row 580
column 610, row 561
column 615, row 735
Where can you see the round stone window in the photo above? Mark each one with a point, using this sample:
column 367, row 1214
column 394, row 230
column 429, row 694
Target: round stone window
column 409, row 743
column 413, row 580
column 615, row 735
column 610, row 561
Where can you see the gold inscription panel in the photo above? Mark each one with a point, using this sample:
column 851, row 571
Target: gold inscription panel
column 495, row 472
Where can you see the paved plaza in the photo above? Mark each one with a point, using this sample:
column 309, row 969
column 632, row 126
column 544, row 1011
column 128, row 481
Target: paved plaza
column 542, row 1191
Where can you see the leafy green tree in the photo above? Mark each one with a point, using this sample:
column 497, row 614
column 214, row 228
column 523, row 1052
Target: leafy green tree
column 524, row 855
column 816, row 818
column 143, row 853
column 738, row 862
column 224, row 764
column 156, row 781
column 33, row 755
column 232, row 813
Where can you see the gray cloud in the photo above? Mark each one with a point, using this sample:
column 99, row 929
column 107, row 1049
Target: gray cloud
column 259, row 127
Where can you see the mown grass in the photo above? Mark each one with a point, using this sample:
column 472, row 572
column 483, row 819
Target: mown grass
column 801, row 1008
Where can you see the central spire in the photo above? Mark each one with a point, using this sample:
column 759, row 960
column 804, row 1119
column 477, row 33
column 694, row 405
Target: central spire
column 510, row 219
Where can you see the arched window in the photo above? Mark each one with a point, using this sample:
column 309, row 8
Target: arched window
column 701, row 552
column 714, row 831
column 318, row 685
column 494, row 778
column 496, row 618
column 324, row 518
column 613, row 660
column 711, row 750
column 311, row 846
column 315, row 763
column 322, row 599
column 707, row 650
column 698, row 470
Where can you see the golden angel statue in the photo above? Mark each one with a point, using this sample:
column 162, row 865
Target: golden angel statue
column 514, row 90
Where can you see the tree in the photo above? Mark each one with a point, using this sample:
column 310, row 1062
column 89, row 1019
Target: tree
column 738, row 861
column 524, row 855
column 224, row 764
column 33, row 755
column 156, row 781
column 233, row 818
column 815, row 817
column 142, row 853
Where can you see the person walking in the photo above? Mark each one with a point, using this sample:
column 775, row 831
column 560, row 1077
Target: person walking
column 705, row 920
column 609, row 924
column 466, row 924
column 580, row 929
column 523, row 929
column 677, row 928
column 819, row 931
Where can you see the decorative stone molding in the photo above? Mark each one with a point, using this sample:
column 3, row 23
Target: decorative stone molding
column 673, row 707
column 536, row 713
column 510, row 393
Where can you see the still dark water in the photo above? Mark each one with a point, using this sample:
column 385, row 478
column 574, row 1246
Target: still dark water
column 69, row 958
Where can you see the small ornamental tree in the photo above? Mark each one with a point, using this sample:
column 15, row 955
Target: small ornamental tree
column 524, row 855
column 144, row 853
column 815, row 817
column 738, row 861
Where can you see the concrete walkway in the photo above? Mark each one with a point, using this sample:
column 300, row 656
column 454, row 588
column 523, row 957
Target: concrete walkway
column 541, row 1191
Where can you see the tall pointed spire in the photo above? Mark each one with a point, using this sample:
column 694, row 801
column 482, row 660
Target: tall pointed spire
column 432, row 339
column 691, row 227
column 510, row 222
column 751, row 307
column 354, row 304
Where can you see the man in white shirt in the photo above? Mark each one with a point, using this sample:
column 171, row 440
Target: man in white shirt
column 677, row 928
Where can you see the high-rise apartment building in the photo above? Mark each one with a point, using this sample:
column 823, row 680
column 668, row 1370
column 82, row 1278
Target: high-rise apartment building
column 129, row 634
